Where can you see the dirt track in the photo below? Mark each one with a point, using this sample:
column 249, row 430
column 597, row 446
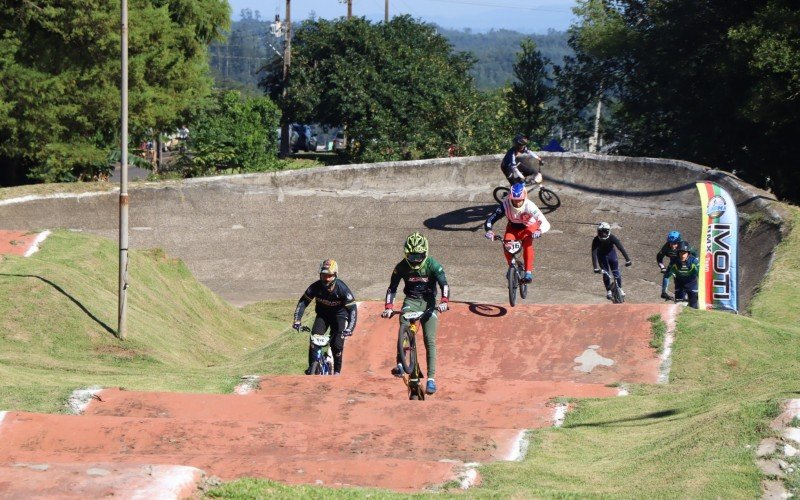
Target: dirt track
column 501, row 371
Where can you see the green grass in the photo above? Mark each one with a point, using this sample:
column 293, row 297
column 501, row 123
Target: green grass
column 659, row 331
column 58, row 316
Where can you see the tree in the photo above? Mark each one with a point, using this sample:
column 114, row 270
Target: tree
column 397, row 87
column 709, row 81
column 530, row 93
column 60, row 67
column 233, row 133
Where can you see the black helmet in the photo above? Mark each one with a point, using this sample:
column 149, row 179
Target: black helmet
column 520, row 140
column 684, row 247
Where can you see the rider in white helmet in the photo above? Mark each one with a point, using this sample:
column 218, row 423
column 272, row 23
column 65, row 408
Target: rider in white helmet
column 604, row 255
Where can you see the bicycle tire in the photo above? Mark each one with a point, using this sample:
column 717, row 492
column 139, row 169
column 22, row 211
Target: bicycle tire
column 523, row 287
column 500, row 193
column 315, row 369
column 616, row 295
column 407, row 348
column 549, row 198
column 513, row 284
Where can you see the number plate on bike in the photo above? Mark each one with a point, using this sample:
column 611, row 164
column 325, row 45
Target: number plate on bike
column 512, row 246
column 319, row 340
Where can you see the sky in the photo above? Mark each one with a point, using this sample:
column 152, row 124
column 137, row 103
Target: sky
column 525, row 16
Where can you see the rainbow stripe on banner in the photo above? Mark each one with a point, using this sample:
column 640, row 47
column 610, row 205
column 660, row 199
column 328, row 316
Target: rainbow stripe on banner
column 719, row 242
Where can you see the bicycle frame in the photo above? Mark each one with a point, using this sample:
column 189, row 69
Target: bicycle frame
column 516, row 270
column 616, row 295
column 407, row 349
column 322, row 364
column 547, row 196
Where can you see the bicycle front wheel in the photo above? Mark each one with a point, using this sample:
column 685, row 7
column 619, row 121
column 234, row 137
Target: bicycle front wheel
column 523, row 287
column 500, row 194
column 549, row 198
column 616, row 295
column 513, row 284
column 407, row 348
column 316, row 368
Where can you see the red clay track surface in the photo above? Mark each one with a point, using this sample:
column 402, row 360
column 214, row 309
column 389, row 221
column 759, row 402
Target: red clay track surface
column 499, row 372
column 16, row 242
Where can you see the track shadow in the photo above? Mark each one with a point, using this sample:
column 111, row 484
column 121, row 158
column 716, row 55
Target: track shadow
column 642, row 418
column 65, row 294
column 487, row 310
column 466, row 219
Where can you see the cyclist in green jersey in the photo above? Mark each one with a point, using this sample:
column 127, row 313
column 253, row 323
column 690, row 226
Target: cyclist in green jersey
column 420, row 274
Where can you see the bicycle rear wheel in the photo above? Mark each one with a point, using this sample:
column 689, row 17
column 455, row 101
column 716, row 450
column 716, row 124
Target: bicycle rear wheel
column 407, row 348
column 513, row 284
column 549, row 198
column 500, row 193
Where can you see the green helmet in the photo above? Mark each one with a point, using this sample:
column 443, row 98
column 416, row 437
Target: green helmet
column 416, row 250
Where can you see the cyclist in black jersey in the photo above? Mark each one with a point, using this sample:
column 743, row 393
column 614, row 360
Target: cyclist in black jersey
column 336, row 309
column 604, row 255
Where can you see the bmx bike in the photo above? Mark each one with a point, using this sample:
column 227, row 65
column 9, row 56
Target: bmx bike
column 547, row 196
column 616, row 293
column 322, row 363
column 407, row 349
column 516, row 270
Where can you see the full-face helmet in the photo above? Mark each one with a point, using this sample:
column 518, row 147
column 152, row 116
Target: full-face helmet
column 328, row 270
column 517, row 195
column 603, row 230
column 674, row 237
column 416, row 250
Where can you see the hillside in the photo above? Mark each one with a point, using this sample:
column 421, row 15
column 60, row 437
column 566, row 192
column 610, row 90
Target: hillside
column 59, row 315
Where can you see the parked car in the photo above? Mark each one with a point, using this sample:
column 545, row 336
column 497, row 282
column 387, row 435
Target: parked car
column 339, row 142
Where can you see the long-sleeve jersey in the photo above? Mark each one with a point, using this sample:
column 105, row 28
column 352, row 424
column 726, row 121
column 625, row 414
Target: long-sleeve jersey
column 510, row 166
column 336, row 300
column 671, row 253
column 419, row 283
column 525, row 216
column 684, row 271
column 601, row 248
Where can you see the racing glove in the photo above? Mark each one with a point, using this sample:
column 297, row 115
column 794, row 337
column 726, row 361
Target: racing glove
column 296, row 325
column 628, row 263
column 442, row 307
column 346, row 332
column 489, row 235
column 662, row 268
column 536, row 234
column 387, row 313
column 597, row 270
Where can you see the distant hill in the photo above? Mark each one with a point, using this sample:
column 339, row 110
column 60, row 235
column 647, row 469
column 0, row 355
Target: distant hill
column 496, row 52
column 235, row 62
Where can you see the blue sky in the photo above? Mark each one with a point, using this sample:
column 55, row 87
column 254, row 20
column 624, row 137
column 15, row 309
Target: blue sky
column 526, row 16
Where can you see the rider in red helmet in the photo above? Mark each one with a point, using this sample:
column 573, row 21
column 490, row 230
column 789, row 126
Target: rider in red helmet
column 525, row 223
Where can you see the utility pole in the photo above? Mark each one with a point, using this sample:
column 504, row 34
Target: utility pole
column 287, row 59
column 349, row 9
column 595, row 143
column 123, row 183
column 386, row 11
